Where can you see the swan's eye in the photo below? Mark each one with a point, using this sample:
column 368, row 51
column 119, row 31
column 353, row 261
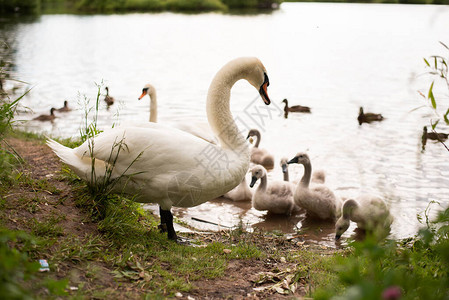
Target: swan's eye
column 145, row 90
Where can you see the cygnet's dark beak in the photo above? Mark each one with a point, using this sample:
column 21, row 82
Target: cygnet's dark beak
column 294, row 160
column 253, row 181
column 337, row 237
column 284, row 168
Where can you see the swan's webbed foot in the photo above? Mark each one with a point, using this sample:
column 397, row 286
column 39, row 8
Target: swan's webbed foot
column 185, row 241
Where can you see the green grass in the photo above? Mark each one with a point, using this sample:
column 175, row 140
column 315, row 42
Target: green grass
column 17, row 269
column 48, row 228
column 417, row 267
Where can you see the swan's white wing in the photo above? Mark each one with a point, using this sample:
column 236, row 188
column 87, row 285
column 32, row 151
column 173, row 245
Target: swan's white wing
column 155, row 156
column 150, row 149
column 201, row 130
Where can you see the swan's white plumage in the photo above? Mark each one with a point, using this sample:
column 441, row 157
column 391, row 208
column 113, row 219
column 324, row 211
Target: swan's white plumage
column 317, row 199
column 368, row 211
column 274, row 196
column 168, row 166
column 198, row 129
column 241, row 192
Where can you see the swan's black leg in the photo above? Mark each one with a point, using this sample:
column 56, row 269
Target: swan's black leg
column 167, row 223
column 163, row 225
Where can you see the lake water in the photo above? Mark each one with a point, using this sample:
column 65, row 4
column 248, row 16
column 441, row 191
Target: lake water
column 331, row 57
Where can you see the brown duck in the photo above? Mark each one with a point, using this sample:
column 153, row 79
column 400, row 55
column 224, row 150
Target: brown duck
column 65, row 108
column 439, row 136
column 294, row 108
column 49, row 117
column 108, row 99
column 368, row 117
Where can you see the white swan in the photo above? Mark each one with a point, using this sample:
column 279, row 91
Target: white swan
column 368, row 211
column 260, row 156
column 201, row 130
column 149, row 90
column 240, row 193
column 318, row 200
column 159, row 164
column 276, row 197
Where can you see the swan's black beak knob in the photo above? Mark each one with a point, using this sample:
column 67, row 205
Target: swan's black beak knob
column 263, row 90
column 144, row 92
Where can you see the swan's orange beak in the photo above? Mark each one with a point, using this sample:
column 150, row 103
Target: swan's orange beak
column 144, row 92
column 263, row 90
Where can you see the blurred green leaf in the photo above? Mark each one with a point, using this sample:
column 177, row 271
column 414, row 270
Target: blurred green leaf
column 427, row 63
column 434, row 125
column 431, row 97
column 446, row 119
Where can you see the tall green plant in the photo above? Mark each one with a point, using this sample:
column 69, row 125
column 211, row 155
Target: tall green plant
column 90, row 126
column 438, row 67
column 8, row 156
column 104, row 179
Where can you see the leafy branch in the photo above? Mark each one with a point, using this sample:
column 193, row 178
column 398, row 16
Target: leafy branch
column 438, row 67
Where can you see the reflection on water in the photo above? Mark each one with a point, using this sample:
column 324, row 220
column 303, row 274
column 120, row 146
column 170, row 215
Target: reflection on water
column 315, row 56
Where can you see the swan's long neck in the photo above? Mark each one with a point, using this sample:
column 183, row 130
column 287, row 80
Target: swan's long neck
column 153, row 105
column 256, row 145
column 305, row 180
column 263, row 183
column 218, row 108
column 286, row 177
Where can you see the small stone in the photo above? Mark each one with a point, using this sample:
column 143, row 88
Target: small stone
column 283, row 260
column 227, row 251
column 178, row 295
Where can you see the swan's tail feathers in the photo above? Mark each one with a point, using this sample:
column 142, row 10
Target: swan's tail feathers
column 82, row 166
column 66, row 154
